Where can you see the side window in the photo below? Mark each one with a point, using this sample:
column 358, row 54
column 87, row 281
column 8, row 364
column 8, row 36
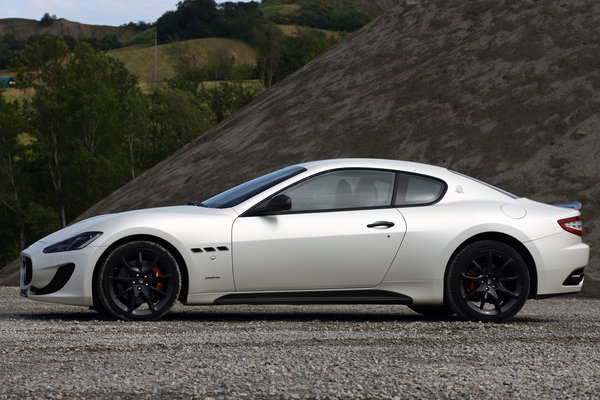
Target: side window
column 418, row 190
column 343, row 189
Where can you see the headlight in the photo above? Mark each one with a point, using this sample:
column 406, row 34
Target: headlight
column 74, row 243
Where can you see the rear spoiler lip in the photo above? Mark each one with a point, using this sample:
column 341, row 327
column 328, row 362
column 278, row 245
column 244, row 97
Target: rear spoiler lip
column 575, row 205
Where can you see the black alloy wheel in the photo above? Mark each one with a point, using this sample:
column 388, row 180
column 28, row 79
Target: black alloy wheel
column 487, row 281
column 138, row 281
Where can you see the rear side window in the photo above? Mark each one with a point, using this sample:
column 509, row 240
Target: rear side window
column 418, row 190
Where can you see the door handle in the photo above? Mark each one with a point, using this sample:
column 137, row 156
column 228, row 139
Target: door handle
column 377, row 224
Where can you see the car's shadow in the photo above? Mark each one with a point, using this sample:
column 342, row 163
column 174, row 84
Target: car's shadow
column 274, row 316
column 340, row 316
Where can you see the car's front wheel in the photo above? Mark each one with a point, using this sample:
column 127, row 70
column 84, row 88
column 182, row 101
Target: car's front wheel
column 138, row 280
column 487, row 281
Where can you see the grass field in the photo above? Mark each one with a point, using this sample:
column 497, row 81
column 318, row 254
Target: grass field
column 279, row 9
column 139, row 59
column 16, row 94
column 294, row 30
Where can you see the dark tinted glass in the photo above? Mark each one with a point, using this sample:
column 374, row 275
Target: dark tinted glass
column 342, row 190
column 414, row 190
column 241, row 193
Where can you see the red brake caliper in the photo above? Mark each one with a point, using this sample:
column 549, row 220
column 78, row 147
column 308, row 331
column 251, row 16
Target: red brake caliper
column 470, row 284
column 157, row 273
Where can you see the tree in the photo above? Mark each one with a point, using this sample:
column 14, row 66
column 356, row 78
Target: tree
column 217, row 65
column 317, row 14
column 47, row 19
column 77, row 117
column 10, row 47
column 239, row 19
column 216, row 100
column 42, row 67
column 303, row 48
column 11, row 201
column 269, row 41
column 204, row 18
column 192, row 19
column 225, row 98
column 177, row 117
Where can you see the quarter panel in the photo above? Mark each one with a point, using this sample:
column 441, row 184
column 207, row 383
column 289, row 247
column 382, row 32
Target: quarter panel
column 435, row 232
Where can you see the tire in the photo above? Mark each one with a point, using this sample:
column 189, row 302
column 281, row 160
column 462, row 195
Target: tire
column 138, row 281
column 487, row 281
column 440, row 311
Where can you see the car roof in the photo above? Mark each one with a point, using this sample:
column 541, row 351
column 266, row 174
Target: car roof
column 408, row 166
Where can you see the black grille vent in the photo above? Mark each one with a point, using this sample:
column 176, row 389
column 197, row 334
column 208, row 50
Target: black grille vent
column 28, row 270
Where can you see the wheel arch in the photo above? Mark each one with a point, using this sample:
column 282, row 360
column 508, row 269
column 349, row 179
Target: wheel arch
column 151, row 238
column 515, row 244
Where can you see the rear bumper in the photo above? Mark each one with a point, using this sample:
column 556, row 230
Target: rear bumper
column 558, row 258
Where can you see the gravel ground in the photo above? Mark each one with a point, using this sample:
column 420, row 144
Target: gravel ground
column 550, row 350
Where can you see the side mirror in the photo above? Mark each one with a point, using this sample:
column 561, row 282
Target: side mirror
column 281, row 202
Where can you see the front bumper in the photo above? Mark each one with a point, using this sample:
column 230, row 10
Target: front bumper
column 64, row 277
column 59, row 280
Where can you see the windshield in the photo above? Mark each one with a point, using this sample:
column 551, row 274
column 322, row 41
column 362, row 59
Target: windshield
column 241, row 193
column 504, row 192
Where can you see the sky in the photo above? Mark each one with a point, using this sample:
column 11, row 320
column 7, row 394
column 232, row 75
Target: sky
column 93, row 12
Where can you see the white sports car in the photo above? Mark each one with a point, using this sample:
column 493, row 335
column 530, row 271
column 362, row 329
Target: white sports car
column 334, row 231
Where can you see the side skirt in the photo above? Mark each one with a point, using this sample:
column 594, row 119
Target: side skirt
column 320, row 297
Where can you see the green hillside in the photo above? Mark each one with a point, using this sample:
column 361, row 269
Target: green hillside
column 139, row 59
column 338, row 15
column 273, row 10
column 295, row 30
column 371, row 8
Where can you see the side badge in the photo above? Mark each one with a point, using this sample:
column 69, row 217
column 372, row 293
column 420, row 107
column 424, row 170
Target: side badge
column 459, row 189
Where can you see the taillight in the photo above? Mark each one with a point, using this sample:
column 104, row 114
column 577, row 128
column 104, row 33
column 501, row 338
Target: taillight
column 573, row 225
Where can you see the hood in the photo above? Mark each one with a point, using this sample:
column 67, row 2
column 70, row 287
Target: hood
column 111, row 222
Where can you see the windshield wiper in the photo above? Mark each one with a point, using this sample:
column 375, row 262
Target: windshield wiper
column 196, row 203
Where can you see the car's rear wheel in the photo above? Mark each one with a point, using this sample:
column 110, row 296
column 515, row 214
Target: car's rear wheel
column 439, row 311
column 138, row 280
column 487, row 281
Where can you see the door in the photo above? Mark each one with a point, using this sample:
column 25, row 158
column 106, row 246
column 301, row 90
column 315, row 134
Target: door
column 340, row 232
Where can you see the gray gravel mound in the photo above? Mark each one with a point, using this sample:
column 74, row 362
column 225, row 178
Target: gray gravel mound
column 550, row 350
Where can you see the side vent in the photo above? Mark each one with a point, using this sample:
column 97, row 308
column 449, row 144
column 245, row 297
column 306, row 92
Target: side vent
column 209, row 249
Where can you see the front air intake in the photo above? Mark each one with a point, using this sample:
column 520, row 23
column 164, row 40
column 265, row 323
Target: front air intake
column 574, row 278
